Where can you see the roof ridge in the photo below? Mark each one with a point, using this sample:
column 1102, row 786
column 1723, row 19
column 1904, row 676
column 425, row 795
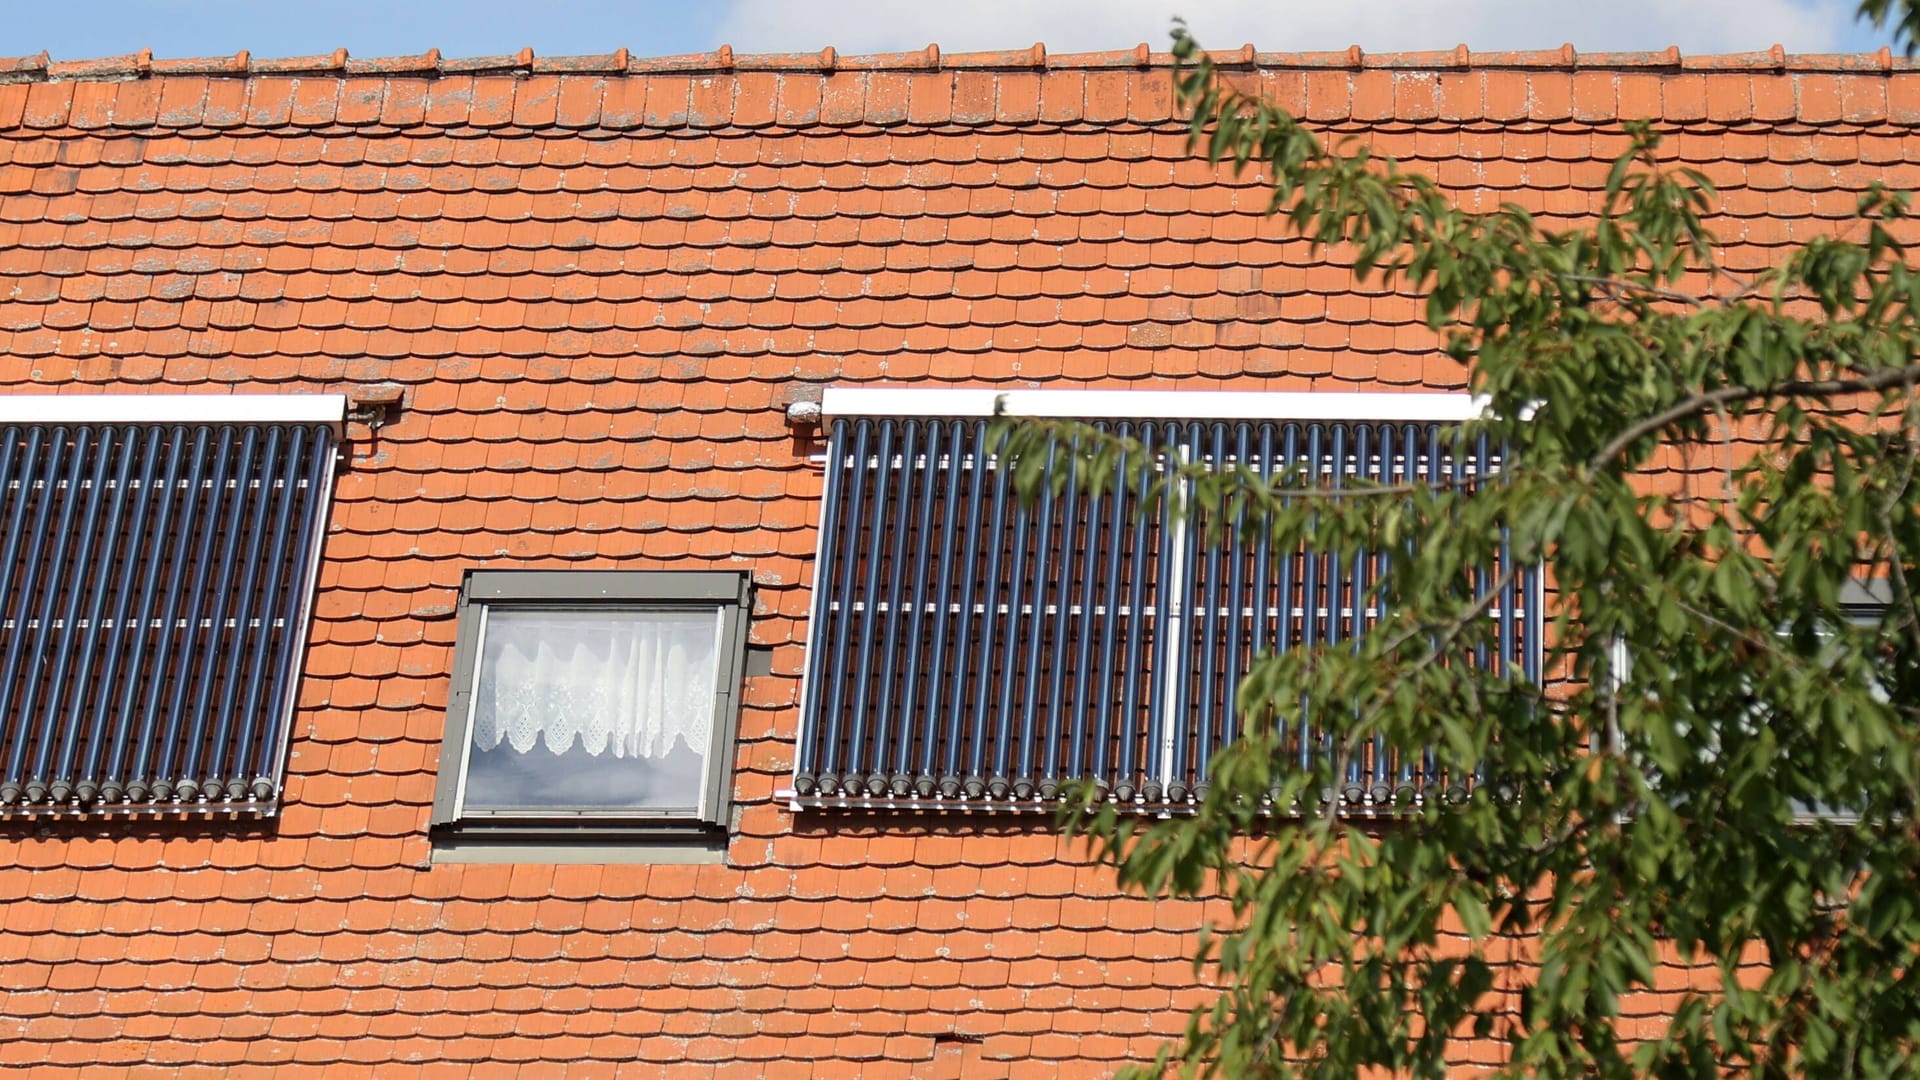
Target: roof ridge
column 42, row 68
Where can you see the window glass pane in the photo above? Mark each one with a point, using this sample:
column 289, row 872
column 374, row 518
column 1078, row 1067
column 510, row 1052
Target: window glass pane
column 597, row 710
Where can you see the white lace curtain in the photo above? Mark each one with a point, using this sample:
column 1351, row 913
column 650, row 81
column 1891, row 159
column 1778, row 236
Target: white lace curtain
column 630, row 684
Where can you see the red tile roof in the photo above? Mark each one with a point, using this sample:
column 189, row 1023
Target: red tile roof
column 599, row 280
column 725, row 90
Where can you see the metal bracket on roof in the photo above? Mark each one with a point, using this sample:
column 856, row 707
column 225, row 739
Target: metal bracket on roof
column 372, row 403
column 803, row 404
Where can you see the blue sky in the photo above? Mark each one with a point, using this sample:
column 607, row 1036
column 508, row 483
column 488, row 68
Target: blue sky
column 654, row 27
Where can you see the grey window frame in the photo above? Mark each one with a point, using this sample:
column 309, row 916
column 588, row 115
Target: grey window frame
column 1861, row 600
column 1866, row 598
column 728, row 591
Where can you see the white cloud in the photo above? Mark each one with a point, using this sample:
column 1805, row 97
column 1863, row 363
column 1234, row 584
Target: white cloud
column 1697, row 26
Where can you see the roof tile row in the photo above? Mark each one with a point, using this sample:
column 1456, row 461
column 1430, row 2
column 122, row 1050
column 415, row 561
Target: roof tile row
column 1811, row 91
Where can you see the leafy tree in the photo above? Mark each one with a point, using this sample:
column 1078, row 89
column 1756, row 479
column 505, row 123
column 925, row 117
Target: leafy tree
column 1723, row 768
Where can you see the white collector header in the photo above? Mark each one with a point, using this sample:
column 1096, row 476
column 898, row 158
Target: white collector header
column 1152, row 404
column 140, row 409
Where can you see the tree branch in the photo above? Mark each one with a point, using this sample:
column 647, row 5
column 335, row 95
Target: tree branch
column 1619, row 287
column 1446, row 631
column 1767, row 645
column 1898, row 573
column 1709, row 399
